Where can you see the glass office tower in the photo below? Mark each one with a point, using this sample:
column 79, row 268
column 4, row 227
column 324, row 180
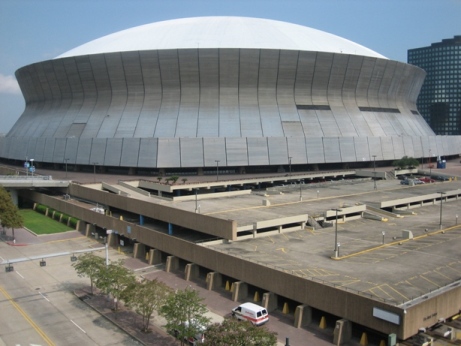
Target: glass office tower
column 439, row 101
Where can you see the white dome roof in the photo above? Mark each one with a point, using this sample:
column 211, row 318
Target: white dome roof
column 221, row 32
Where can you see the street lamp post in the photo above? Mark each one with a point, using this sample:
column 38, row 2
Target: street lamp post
column 318, row 193
column 456, row 218
column 441, row 205
column 94, row 171
column 108, row 233
column 66, row 166
column 383, row 233
column 217, row 169
column 336, row 234
column 197, row 207
column 430, row 165
column 300, row 190
column 289, row 165
column 374, row 172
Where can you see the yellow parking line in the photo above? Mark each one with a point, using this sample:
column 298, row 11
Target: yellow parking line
column 27, row 318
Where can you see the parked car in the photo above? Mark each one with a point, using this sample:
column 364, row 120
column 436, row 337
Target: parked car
column 405, row 182
column 195, row 340
column 441, row 178
column 427, row 180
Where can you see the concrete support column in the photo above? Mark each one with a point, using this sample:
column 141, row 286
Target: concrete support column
column 269, row 301
column 81, row 226
column 90, row 229
column 213, row 280
column 280, row 228
column 342, row 333
column 155, row 256
column 303, row 225
column 191, row 272
column 200, row 171
column 159, row 193
column 255, row 229
column 172, row 263
column 14, row 196
column 131, row 171
column 303, row 316
column 139, row 251
column 240, row 291
column 111, row 239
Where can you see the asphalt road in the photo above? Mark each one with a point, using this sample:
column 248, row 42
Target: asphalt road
column 38, row 306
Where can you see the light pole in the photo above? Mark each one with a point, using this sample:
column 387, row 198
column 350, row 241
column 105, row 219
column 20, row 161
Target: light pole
column 336, row 234
column 374, row 172
column 66, row 166
column 217, row 169
column 108, row 233
column 318, row 194
column 430, row 165
column 300, row 190
column 289, row 165
column 383, row 233
column 456, row 218
column 197, row 207
column 441, row 205
column 339, row 244
column 94, row 171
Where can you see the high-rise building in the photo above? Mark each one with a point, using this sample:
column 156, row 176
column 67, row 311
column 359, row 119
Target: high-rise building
column 439, row 101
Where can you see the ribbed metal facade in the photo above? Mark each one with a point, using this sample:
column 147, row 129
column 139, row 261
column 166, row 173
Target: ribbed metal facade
column 243, row 107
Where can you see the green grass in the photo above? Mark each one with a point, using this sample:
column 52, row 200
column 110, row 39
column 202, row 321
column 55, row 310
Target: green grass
column 41, row 224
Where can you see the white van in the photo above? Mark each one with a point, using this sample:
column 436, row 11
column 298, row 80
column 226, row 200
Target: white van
column 254, row 313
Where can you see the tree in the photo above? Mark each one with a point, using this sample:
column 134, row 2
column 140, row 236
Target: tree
column 238, row 333
column 114, row 279
column 159, row 179
column 146, row 297
column 405, row 162
column 185, row 313
column 89, row 265
column 174, row 178
column 184, row 180
column 9, row 213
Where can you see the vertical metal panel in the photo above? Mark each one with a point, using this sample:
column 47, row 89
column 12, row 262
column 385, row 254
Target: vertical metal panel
column 345, row 125
column 374, row 124
column 258, row 153
column 190, row 93
column 408, row 147
column 168, row 115
column 347, row 149
column 336, row 81
column 18, row 148
column 331, row 148
column 375, row 148
column 71, row 150
column 388, row 148
column 98, row 151
column 398, row 148
column 304, row 78
column 293, row 128
column 39, row 149
column 250, row 120
column 297, row 150
column 375, row 82
column 229, row 118
column 268, row 71
column 285, row 86
column 278, row 150
column 32, row 149
column 49, row 150
column 208, row 118
column 130, row 152
column 362, row 152
column 328, row 123
column 191, row 152
column 351, row 79
column 236, row 151
column 153, row 94
column 59, row 150
column 315, row 152
column 76, row 87
column 168, row 153
column 321, row 78
column 84, row 151
column 113, row 152
column 148, row 151
column 363, row 82
column 214, row 149
column 385, row 121
column 385, row 87
column 118, row 102
column 95, row 118
column 425, row 146
column 310, row 123
column 135, row 86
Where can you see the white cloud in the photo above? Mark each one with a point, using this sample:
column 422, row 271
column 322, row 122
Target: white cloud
column 9, row 85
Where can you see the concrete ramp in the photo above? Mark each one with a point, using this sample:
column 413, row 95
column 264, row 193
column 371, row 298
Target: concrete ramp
column 383, row 213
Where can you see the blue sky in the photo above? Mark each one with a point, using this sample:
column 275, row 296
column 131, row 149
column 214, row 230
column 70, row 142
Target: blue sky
column 37, row 30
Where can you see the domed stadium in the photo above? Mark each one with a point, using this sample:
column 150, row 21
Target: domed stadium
column 244, row 94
